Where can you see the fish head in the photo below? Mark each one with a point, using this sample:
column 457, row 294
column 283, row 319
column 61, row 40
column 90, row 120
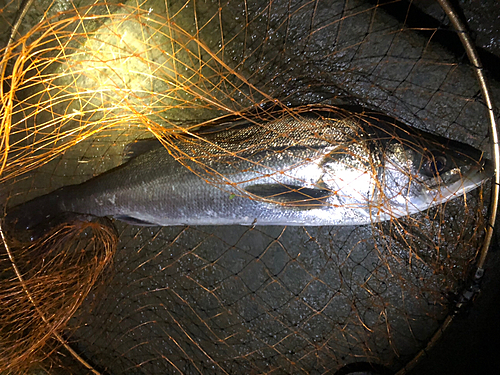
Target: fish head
column 424, row 170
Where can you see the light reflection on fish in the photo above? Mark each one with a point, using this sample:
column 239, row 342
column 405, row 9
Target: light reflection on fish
column 311, row 166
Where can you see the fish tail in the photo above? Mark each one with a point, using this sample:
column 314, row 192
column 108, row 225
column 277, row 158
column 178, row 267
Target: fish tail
column 38, row 215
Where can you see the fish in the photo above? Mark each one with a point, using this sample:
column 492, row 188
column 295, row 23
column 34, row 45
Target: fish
column 310, row 166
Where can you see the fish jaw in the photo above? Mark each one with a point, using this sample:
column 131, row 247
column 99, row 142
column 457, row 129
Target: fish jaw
column 420, row 198
column 474, row 178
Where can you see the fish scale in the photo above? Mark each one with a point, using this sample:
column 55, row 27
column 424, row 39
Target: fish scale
column 314, row 166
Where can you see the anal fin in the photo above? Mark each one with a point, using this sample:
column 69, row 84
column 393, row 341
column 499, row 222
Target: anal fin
column 134, row 221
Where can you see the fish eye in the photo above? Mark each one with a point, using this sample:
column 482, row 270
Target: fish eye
column 434, row 165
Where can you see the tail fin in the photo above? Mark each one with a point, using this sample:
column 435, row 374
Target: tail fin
column 38, row 215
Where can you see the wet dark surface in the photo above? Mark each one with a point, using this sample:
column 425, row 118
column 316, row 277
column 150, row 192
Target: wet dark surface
column 471, row 343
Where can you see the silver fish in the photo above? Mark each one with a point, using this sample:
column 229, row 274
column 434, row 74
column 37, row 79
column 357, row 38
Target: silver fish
column 314, row 166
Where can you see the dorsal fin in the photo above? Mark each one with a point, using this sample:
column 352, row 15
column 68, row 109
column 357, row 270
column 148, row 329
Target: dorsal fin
column 139, row 147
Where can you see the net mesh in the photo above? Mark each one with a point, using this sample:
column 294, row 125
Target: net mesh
column 84, row 79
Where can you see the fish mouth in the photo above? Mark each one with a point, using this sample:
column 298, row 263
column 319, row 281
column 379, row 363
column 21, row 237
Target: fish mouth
column 488, row 167
column 474, row 177
column 484, row 171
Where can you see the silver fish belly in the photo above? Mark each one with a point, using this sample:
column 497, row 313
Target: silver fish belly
column 309, row 167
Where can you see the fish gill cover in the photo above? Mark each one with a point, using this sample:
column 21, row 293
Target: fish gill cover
column 82, row 81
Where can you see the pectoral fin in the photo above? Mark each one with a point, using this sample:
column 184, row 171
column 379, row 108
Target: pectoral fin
column 290, row 195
